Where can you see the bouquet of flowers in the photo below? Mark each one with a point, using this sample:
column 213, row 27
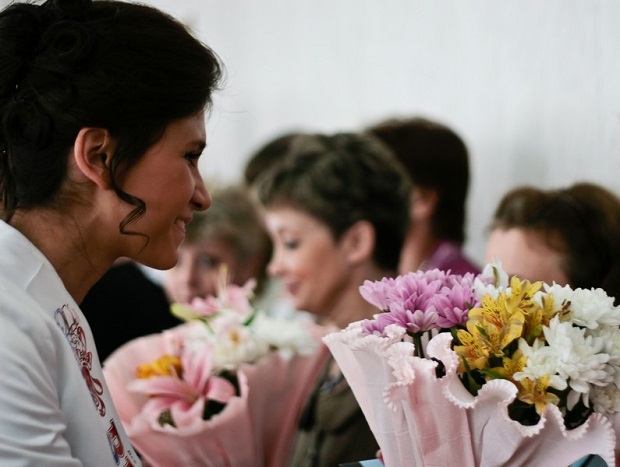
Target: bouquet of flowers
column 483, row 370
column 225, row 388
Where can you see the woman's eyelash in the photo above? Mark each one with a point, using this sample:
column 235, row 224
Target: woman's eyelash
column 192, row 157
column 291, row 244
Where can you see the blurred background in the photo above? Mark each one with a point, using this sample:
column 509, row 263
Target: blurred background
column 532, row 87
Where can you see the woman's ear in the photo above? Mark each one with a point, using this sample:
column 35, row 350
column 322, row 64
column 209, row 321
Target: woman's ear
column 92, row 150
column 358, row 242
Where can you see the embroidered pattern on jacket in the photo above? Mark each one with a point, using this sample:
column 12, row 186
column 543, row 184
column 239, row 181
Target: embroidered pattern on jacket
column 69, row 322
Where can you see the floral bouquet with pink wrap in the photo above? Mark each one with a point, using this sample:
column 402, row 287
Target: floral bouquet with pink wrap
column 226, row 388
column 471, row 371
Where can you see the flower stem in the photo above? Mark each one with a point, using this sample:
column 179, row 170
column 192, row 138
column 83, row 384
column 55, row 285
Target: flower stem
column 417, row 342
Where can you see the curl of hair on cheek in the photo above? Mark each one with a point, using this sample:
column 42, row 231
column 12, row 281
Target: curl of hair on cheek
column 135, row 214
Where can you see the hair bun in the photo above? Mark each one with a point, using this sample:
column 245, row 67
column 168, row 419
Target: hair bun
column 26, row 124
column 68, row 9
column 68, row 44
column 20, row 31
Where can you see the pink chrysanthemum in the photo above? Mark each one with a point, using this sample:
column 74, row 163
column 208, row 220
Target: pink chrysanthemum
column 419, row 301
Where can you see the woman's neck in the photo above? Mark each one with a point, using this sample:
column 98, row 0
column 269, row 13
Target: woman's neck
column 68, row 246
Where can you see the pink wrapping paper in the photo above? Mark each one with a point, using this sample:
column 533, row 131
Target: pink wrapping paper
column 255, row 429
column 420, row 420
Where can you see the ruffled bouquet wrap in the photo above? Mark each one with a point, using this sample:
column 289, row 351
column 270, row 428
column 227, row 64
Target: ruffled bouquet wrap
column 421, row 419
column 255, row 428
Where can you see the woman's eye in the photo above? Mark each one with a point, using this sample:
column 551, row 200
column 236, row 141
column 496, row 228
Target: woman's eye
column 290, row 244
column 192, row 158
column 208, row 262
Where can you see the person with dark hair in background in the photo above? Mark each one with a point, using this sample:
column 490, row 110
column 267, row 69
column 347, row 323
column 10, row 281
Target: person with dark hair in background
column 102, row 106
column 567, row 236
column 436, row 159
column 337, row 212
column 267, row 156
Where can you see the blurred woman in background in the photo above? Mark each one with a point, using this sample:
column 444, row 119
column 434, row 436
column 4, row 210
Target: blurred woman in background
column 336, row 208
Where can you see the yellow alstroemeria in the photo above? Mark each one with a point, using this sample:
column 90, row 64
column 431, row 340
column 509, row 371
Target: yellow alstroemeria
column 522, row 292
column 550, row 309
column 510, row 365
column 472, row 349
column 166, row 365
column 535, row 393
column 495, row 324
column 537, row 317
column 522, row 298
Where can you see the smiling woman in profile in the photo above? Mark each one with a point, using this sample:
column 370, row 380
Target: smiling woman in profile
column 102, row 125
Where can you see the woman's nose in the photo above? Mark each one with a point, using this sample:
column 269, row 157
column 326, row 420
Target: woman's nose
column 201, row 198
column 274, row 267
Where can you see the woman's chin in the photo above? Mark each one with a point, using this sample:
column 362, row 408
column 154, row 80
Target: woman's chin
column 162, row 261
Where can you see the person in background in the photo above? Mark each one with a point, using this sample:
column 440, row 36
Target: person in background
column 568, row 236
column 102, row 125
column 231, row 234
column 261, row 160
column 266, row 156
column 437, row 162
column 336, row 208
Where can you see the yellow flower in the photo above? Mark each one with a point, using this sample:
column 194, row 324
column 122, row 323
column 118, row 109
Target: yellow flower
column 523, row 291
column 537, row 317
column 184, row 312
column 472, row 350
column 549, row 309
column 496, row 323
column 510, row 365
column 535, row 393
column 166, row 365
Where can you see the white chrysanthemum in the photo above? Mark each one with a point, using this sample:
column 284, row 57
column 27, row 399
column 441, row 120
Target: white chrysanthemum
column 576, row 358
column 238, row 346
column 606, row 399
column 286, row 335
column 196, row 335
column 590, row 308
column 234, row 343
column 610, row 335
column 581, row 360
column 541, row 361
column 561, row 293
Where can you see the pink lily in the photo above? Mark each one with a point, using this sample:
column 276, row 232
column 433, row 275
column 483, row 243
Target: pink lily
column 185, row 397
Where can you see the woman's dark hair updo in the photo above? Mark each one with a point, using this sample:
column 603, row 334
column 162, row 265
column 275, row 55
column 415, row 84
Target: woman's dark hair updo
column 70, row 64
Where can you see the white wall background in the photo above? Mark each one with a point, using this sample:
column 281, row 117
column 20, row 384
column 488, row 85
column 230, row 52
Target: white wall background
column 532, row 86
